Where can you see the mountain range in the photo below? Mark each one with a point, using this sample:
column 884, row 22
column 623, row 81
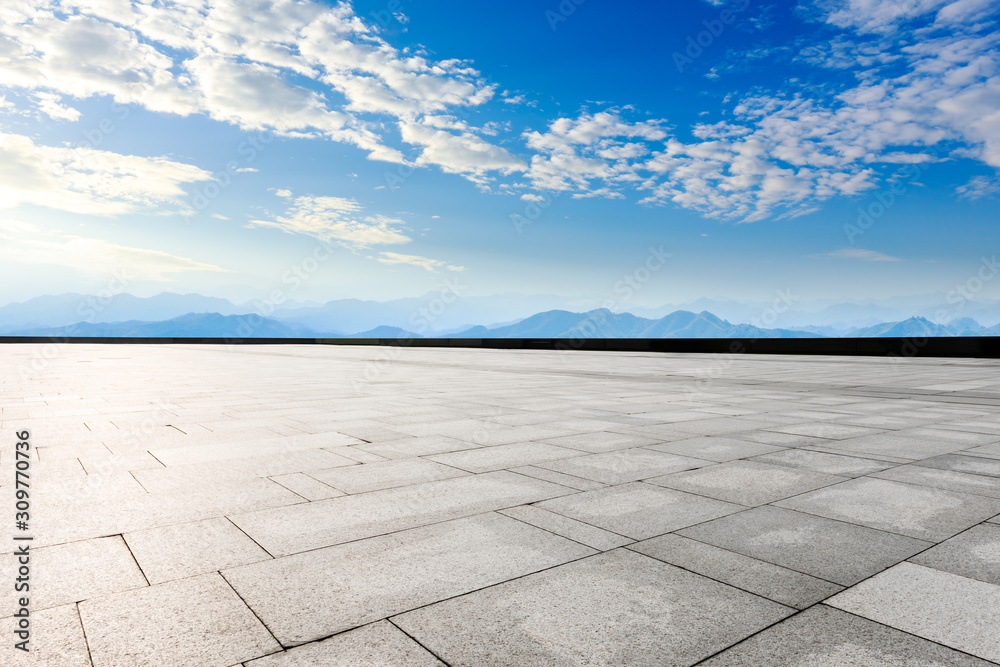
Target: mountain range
column 178, row 316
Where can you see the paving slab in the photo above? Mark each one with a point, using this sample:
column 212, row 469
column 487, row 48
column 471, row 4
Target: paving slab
column 308, row 487
column 196, row 622
column 746, row 482
column 639, row 510
column 322, row 523
column 85, row 518
column 601, row 441
column 755, row 576
column 907, row 509
column 372, row 579
column 410, row 447
column 939, row 606
column 826, row 637
column 179, row 478
column 826, row 430
column 979, row 485
column 578, row 483
column 591, row 536
column 380, row 644
column 385, row 475
column 976, row 465
column 911, row 448
column 73, row 572
column 187, row 549
column 839, row 552
column 56, row 640
column 623, row 465
column 777, row 439
column 974, row 554
column 662, row 615
column 488, row 459
column 831, row 464
column 717, row 448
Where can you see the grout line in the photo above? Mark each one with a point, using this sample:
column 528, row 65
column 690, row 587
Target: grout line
column 86, row 641
column 418, row 642
column 134, row 559
column 226, row 517
column 259, row 619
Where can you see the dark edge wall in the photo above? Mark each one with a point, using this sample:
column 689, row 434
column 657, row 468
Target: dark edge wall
column 972, row 346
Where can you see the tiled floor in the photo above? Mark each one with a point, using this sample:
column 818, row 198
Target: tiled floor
column 288, row 506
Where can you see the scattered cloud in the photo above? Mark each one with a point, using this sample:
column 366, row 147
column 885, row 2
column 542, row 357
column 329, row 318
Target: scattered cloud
column 336, row 219
column 50, row 105
column 859, row 253
column 416, row 260
column 90, row 181
column 979, row 187
column 32, row 244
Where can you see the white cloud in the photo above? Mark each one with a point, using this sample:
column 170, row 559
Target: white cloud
column 859, row 253
column 31, row 244
column 416, row 260
column 979, row 187
column 463, row 153
column 235, row 61
column 875, row 16
column 335, row 219
column 50, row 105
column 90, row 181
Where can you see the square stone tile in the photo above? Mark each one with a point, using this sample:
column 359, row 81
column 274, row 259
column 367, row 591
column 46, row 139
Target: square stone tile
column 778, row 439
column 349, row 585
column 918, row 511
column 889, row 444
column 384, row 475
column 746, row 482
column 411, row 447
column 603, row 441
column 623, row 465
column 966, row 438
column 308, row 487
column 975, row 465
column 377, row 645
column 593, row 537
column 487, row 459
column 616, row 608
column 974, row 554
column 831, row 464
column 755, row 576
column 578, row 483
column 946, row 608
column 828, row 637
column 186, row 549
column 56, row 640
column 93, row 517
column 196, row 622
column 323, row 523
column 979, row 485
column 840, row 552
column 71, row 572
column 826, row 430
column 716, row 426
column 639, row 510
column 985, row 451
column 718, row 449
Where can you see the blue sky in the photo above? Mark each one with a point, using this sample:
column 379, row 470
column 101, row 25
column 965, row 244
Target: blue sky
column 843, row 149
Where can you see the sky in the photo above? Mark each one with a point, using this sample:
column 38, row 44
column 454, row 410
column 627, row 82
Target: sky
column 633, row 153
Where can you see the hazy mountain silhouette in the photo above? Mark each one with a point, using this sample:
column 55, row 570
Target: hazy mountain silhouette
column 602, row 323
column 194, row 315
